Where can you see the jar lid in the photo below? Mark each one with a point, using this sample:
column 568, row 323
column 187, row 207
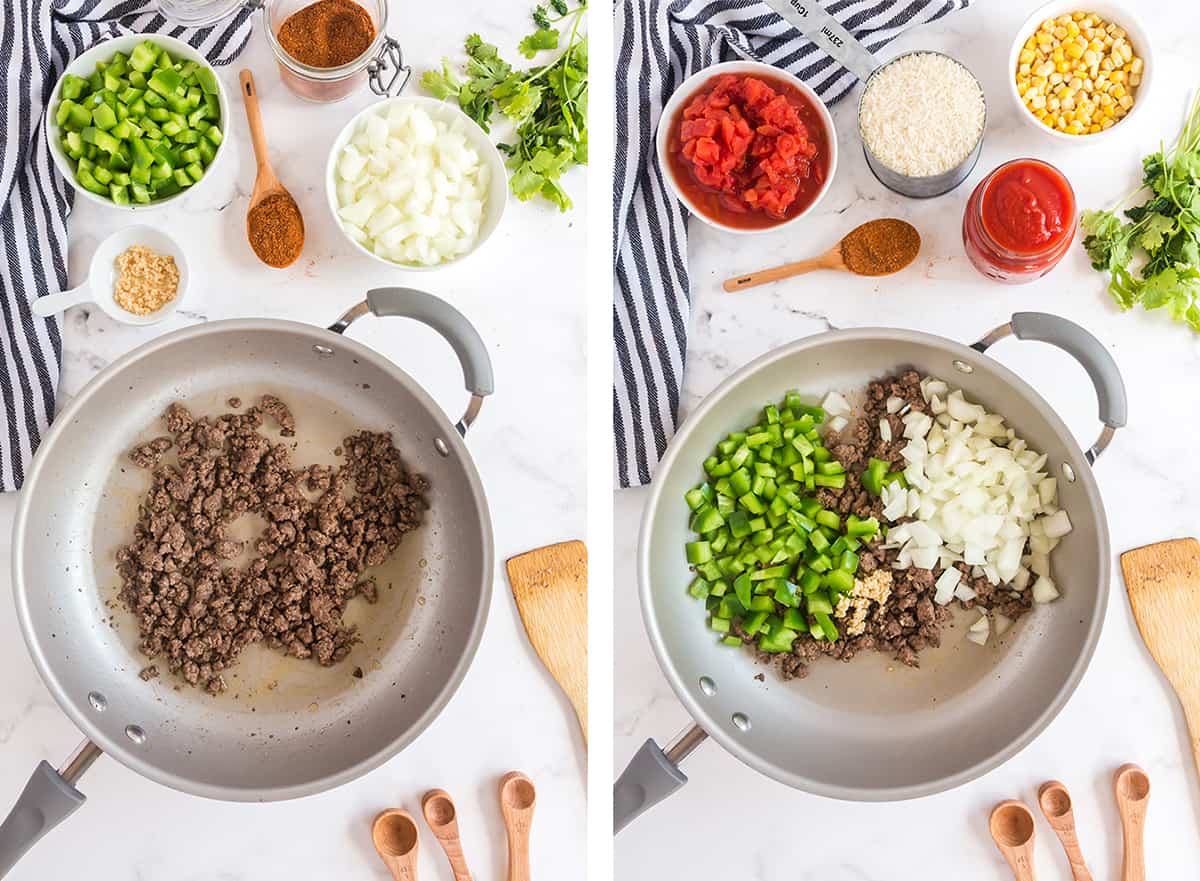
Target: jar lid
column 200, row 13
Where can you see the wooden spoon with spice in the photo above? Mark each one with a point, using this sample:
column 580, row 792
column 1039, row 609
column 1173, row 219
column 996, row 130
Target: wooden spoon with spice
column 877, row 247
column 274, row 224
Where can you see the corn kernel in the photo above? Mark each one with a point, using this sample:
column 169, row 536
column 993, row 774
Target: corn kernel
column 1135, row 66
column 1093, row 129
column 1075, row 51
column 1125, row 101
column 1135, row 80
column 1055, row 79
column 1026, row 56
column 1107, row 124
column 1118, row 76
column 1118, row 91
column 1090, row 57
column 1044, row 69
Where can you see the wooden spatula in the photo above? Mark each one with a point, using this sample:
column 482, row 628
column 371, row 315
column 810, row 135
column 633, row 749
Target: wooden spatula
column 550, row 587
column 1163, row 581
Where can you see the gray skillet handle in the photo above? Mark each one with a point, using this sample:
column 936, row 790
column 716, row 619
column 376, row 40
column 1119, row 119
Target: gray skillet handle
column 46, row 801
column 811, row 19
column 447, row 321
column 1084, row 348
column 648, row 779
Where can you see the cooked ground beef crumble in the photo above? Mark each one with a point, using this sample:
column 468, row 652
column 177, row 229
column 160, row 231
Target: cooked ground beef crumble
column 324, row 526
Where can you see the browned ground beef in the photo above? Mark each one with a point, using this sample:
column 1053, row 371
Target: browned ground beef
column 909, row 621
column 195, row 611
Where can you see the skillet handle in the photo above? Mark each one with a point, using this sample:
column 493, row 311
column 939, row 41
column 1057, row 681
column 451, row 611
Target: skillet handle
column 651, row 776
column 447, row 321
column 47, row 800
column 1084, row 348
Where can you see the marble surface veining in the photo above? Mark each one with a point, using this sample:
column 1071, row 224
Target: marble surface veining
column 508, row 713
column 729, row 822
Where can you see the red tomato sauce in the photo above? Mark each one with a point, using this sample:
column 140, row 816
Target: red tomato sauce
column 1019, row 221
column 1026, row 207
column 749, row 151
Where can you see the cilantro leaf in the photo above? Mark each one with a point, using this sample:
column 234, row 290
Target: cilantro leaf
column 1155, row 229
column 539, row 41
column 547, row 104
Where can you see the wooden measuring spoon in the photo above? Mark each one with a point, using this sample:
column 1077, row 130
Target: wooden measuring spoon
column 517, row 798
column 1055, row 803
column 442, row 817
column 394, row 833
column 266, row 184
column 907, row 238
column 1011, row 825
column 1133, row 796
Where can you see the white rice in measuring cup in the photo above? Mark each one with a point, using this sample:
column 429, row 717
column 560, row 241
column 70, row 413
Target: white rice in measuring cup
column 921, row 118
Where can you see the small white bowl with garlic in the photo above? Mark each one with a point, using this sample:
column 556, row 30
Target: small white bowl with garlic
column 415, row 183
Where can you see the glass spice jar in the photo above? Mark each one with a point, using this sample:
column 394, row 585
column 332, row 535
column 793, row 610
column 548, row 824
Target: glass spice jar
column 381, row 65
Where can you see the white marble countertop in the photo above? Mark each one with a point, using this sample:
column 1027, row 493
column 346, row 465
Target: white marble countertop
column 729, row 822
column 508, row 713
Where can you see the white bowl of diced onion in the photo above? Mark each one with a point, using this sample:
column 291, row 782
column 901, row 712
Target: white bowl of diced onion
column 1135, row 35
column 415, row 183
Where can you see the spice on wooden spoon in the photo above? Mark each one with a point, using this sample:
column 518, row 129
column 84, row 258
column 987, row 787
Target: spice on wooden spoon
column 877, row 247
column 274, row 225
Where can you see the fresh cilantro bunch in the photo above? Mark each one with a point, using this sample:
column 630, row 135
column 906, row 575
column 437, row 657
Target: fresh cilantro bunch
column 1165, row 227
column 547, row 105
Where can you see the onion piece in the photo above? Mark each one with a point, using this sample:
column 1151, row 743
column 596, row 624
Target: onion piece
column 1044, row 590
column 946, row 584
column 885, row 431
column 1057, row 524
column 835, row 404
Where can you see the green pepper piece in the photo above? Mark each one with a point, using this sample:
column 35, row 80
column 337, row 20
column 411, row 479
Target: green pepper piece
column 143, row 57
column 73, row 144
column 698, row 588
column 165, row 82
column 183, row 178
column 118, row 194
column 839, row 580
column 207, row 80
column 827, row 626
column 165, row 187
column 214, row 135
column 872, row 477
column 73, row 86
column 720, row 625
column 103, row 117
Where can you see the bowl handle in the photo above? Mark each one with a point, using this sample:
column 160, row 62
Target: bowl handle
column 447, row 321
column 1084, row 348
column 652, row 775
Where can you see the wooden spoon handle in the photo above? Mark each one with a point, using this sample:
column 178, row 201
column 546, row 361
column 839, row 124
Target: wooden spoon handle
column 828, row 260
column 254, row 119
column 1070, row 845
column 1133, row 865
column 1021, row 863
column 518, row 849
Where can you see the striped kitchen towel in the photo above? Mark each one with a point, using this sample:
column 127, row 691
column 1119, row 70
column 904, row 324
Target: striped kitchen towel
column 659, row 44
column 38, row 39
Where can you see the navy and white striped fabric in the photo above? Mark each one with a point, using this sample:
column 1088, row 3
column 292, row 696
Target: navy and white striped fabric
column 659, row 44
column 38, row 39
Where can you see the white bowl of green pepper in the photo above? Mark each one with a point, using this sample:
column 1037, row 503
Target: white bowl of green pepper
column 137, row 121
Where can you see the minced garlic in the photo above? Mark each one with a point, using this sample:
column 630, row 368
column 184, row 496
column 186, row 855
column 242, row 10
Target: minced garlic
column 145, row 281
column 856, row 605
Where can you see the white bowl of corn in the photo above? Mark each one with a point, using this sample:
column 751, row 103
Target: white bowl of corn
column 1078, row 73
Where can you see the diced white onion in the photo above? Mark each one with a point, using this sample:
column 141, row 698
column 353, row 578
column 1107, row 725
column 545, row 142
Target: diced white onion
column 964, row 592
column 894, row 404
column 836, row 404
column 1003, row 622
column 1044, row 590
column 885, row 430
column 979, row 494
column 945, row 586
column 1057, row 524
column 411, row 188
column 837, row 423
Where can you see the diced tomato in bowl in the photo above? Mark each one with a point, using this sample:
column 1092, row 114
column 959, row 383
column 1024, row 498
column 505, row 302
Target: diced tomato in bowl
column 747, row 147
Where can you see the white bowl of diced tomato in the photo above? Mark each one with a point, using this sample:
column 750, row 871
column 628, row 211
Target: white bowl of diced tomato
column 203, row 150
column 747, row 147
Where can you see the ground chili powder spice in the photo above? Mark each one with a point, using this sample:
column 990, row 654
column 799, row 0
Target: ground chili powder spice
column 328, row 33
column 276, row 230
column 880, row 247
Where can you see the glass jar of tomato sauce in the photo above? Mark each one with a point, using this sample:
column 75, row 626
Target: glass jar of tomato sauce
column 1019, row 221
